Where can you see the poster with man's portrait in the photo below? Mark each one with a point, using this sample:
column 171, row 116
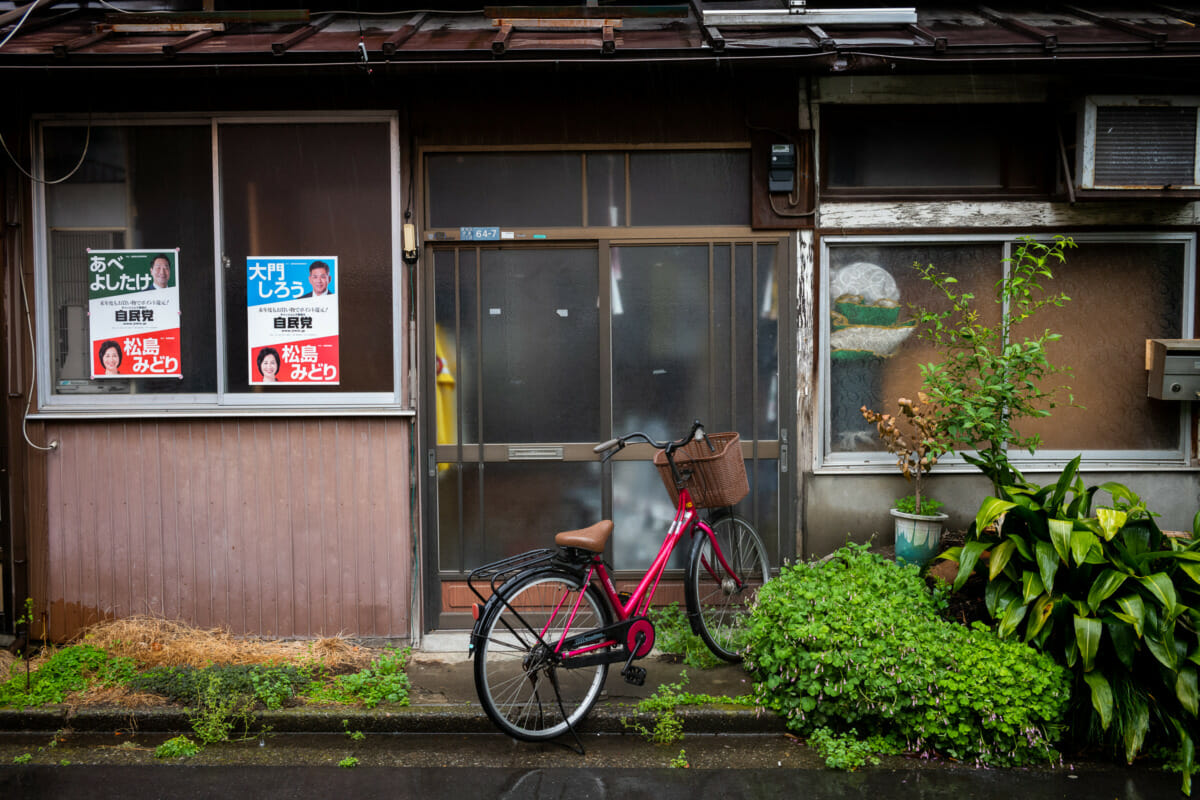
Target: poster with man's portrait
column 133, row 313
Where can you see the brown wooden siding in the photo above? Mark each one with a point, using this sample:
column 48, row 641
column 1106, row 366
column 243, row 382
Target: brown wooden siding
column 279, row 527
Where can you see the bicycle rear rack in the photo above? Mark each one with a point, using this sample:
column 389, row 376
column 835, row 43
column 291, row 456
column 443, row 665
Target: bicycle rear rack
column 500, row 571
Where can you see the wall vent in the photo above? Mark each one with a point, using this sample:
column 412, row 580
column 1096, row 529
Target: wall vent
column 1140, row 143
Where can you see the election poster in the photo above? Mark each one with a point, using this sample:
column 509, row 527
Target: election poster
column 292, row 312
column 133, row 313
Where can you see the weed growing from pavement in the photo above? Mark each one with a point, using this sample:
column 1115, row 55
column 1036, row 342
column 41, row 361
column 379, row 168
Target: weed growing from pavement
column 667, row 725
column 673, row 635
column 179, row 747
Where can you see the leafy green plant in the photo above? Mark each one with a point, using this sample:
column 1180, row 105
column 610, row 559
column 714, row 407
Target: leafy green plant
column 271, row 686
column 987, row 379
column 71, row 669
column 24, row 758
column 673, row 635
column 1104, row 592
column 178, row 747
column 847, row 751
column 916, row 449
column 680, row 761
column 661, row 707
column 219, row 711
column 857, row 643
column 350, row 762
column 384, row 681
column 354, row 736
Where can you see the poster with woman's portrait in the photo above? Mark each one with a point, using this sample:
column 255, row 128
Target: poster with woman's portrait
column 133, row 313
column 292, row 319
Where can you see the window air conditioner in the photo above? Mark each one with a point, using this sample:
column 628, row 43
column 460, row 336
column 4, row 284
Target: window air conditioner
column 1139, row 143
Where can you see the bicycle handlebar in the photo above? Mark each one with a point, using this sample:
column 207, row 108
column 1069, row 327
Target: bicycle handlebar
column 615, row 445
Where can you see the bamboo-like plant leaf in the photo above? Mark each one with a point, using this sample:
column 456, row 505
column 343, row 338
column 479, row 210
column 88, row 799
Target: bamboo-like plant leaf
column 1160, row 649
column 1186, row 690
column 1013, row 614
column 1031, row 585
column 1111, row 520
column 1064, row 482
column 967, row 560
column 991, row 509
column 1087, row 639
column 1125, row 642
column 1041, row 611
column 1082, row 542
column 1060, row 535
column 1105, row 584
column 1135, row 610
column 1047, row 560
column 1102, row 699
column 1191, row 569
column 998, row 560
column 1163, row 589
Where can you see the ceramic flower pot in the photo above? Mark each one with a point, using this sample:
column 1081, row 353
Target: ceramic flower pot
column 917, row 536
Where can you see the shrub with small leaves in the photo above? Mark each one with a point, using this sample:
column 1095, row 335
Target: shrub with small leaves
column 384, row 681
column 71, row 669
column 857, row 643
column 179, row 747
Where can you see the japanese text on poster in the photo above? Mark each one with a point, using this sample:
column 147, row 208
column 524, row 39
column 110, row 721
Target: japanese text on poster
column 133, row 313
column 292, row 319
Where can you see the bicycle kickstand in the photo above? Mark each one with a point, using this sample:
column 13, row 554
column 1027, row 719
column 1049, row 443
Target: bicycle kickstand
column 632, row 674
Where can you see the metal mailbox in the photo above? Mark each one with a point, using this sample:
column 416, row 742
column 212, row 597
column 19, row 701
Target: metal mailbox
column 1174, row 366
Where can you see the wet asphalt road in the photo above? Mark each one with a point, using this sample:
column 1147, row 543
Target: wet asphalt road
column 467, row 767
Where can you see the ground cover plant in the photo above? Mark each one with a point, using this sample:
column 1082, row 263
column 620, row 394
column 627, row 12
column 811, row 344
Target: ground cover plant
column 1109, row 596
column 857, row 643
column 139, row 661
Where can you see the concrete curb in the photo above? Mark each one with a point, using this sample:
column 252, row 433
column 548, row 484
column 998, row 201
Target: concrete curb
column 604, row 718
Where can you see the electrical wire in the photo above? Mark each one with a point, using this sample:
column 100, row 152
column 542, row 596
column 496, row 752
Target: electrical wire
column 33, row 383
column 21, row 22
column 87, row 141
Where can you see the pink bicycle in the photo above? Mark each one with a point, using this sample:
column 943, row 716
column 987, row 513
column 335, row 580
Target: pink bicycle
column 554, row 622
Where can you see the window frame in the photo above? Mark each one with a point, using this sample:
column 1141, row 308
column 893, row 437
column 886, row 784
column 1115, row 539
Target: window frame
column 222, row 402
column 828, row 462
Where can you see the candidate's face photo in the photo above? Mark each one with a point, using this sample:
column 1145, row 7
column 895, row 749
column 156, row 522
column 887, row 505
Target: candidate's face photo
column 160, row 271
column 270, row 367
column 111, row 359
column 319, row 278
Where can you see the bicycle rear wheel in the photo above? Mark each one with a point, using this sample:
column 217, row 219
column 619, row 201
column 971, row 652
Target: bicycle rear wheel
column 520, row 680
column 720, row 586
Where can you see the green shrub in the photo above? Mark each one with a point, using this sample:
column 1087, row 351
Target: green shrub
column 71, row 669
column 1106, row 594
column 857, row 643
column 673, row 635
column 384, row 681
column 179, row 747
column 270, row 686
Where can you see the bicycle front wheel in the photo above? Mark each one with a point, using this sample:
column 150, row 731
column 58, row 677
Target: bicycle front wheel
column 723, row 576
column 519, row 677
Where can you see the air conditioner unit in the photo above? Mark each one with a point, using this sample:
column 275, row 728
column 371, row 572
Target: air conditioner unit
column 1142, row 143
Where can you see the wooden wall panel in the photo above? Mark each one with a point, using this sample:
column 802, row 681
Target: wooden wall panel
column 279, row 527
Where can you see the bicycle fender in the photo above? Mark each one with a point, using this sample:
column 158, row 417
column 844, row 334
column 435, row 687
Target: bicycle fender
column 496, row 600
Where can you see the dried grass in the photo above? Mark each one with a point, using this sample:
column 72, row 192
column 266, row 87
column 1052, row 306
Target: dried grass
column 157, row 642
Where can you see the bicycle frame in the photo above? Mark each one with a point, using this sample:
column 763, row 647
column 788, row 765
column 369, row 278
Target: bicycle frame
column 686, row 520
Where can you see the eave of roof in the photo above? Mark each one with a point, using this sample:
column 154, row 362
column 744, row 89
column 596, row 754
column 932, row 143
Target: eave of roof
column 946, row 34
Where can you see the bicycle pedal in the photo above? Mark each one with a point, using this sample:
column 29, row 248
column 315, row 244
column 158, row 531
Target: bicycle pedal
column 634, row 675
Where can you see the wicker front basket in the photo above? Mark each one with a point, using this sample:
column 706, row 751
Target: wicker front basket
column 718, row 476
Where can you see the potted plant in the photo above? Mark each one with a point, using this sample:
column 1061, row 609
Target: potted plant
column 917, row 446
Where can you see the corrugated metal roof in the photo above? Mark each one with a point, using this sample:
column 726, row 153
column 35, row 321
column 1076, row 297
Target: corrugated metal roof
column 79, row 38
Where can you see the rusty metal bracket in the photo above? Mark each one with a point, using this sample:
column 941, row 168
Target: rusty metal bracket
column 508, row 25
column 1156, row 38
column 940, row 43
column 80, row 42
column 1049, row 40
column 299, row 35
column 403, row 34
column 172, row 50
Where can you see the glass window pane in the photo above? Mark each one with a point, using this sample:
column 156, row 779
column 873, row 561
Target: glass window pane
column 875, row 355
column 981, row 147
column 541, row 345
column 139, row 187
column 681, row 187
column 606, row 189
column 524, row 505
column 513, row 190
column 318, row 189
column 642, row 513
column 1121, row 294
column 660, row 339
